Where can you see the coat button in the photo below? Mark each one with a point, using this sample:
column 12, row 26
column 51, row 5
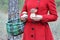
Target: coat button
column 32, row 28
column 31, row 35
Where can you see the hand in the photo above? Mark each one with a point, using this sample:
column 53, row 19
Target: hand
column 33, row 10
column 32, row 15
column 23, row 18
column 37, row 18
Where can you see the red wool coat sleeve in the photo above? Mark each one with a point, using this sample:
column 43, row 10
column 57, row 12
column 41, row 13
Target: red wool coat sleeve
column 24, row 7
column 52, row 10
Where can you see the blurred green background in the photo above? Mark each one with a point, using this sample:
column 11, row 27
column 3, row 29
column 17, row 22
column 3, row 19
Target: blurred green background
column 55, row 26
column 4, row 4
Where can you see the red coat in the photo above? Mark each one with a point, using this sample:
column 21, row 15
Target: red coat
column 39, row 30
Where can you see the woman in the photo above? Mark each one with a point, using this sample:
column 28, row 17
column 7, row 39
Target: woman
column 37, row 28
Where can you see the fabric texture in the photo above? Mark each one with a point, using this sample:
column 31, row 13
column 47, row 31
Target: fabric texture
column 39, row 30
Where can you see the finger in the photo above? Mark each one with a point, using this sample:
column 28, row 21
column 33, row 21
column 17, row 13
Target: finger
column 22, row 18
